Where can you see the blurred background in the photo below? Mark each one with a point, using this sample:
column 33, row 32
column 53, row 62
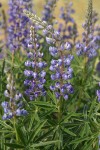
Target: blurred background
column 80, row 7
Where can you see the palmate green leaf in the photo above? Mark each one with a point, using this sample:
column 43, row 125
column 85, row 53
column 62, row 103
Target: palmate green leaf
column 45, row 114
column 96, row 78
column 5, row 125
column 22, row 135
column 94, row 124
column 6, row 131
column 68, row 131
column 44, row 143
column 79, row 140
column 87, row 95
column 31, row 121
column 18, row 63
column 52, row 121
column 75, row 146
column 35, row 132
column 85, row 130
column 77, row 59
column 93, row 105
column 66, row 118
column 9, row 135
column 42, row 104
column 52, row 96
column 45, row 135
column 88, row 145
column 39, row 127
column 86, row 138
column 14, row 145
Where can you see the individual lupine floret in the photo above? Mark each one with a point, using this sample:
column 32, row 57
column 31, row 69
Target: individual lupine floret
column 34, row 72
column 98, row 93
column 79, row 47
column 18, row 30
column 48, row 11
column 61, row 64
column 14, row 106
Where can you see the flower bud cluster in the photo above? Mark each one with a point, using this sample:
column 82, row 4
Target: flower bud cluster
column 13, row 107
column 34, row 73
column 35, row 19
column 18, row 32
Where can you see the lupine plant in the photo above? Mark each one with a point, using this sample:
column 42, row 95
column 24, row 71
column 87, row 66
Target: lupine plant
column 49, row 79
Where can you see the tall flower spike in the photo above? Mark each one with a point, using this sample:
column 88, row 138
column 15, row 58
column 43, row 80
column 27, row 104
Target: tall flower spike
column 69, row 28
column 35, row 73
column 48, row 11
column 18, row 30
column 60, row 65
column 89, row 16
column 89, row 45
column 62, row 72
column 1, row 21
column 3, row 31
column 0, row 25
column 14, row 106
column 0, row 16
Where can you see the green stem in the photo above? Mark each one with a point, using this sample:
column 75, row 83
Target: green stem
column 85, row 69
column 59, row 110
column 14, row 122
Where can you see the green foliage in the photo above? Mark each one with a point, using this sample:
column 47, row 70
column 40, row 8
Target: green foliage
column 76, row 124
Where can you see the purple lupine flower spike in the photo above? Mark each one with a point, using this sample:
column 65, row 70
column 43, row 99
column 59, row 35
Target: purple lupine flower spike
column 90, row 36
column 69, row 28
column 35, row 75
column 13, row 107
column 18, row 30
column 48, row 11
column 60, row 65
